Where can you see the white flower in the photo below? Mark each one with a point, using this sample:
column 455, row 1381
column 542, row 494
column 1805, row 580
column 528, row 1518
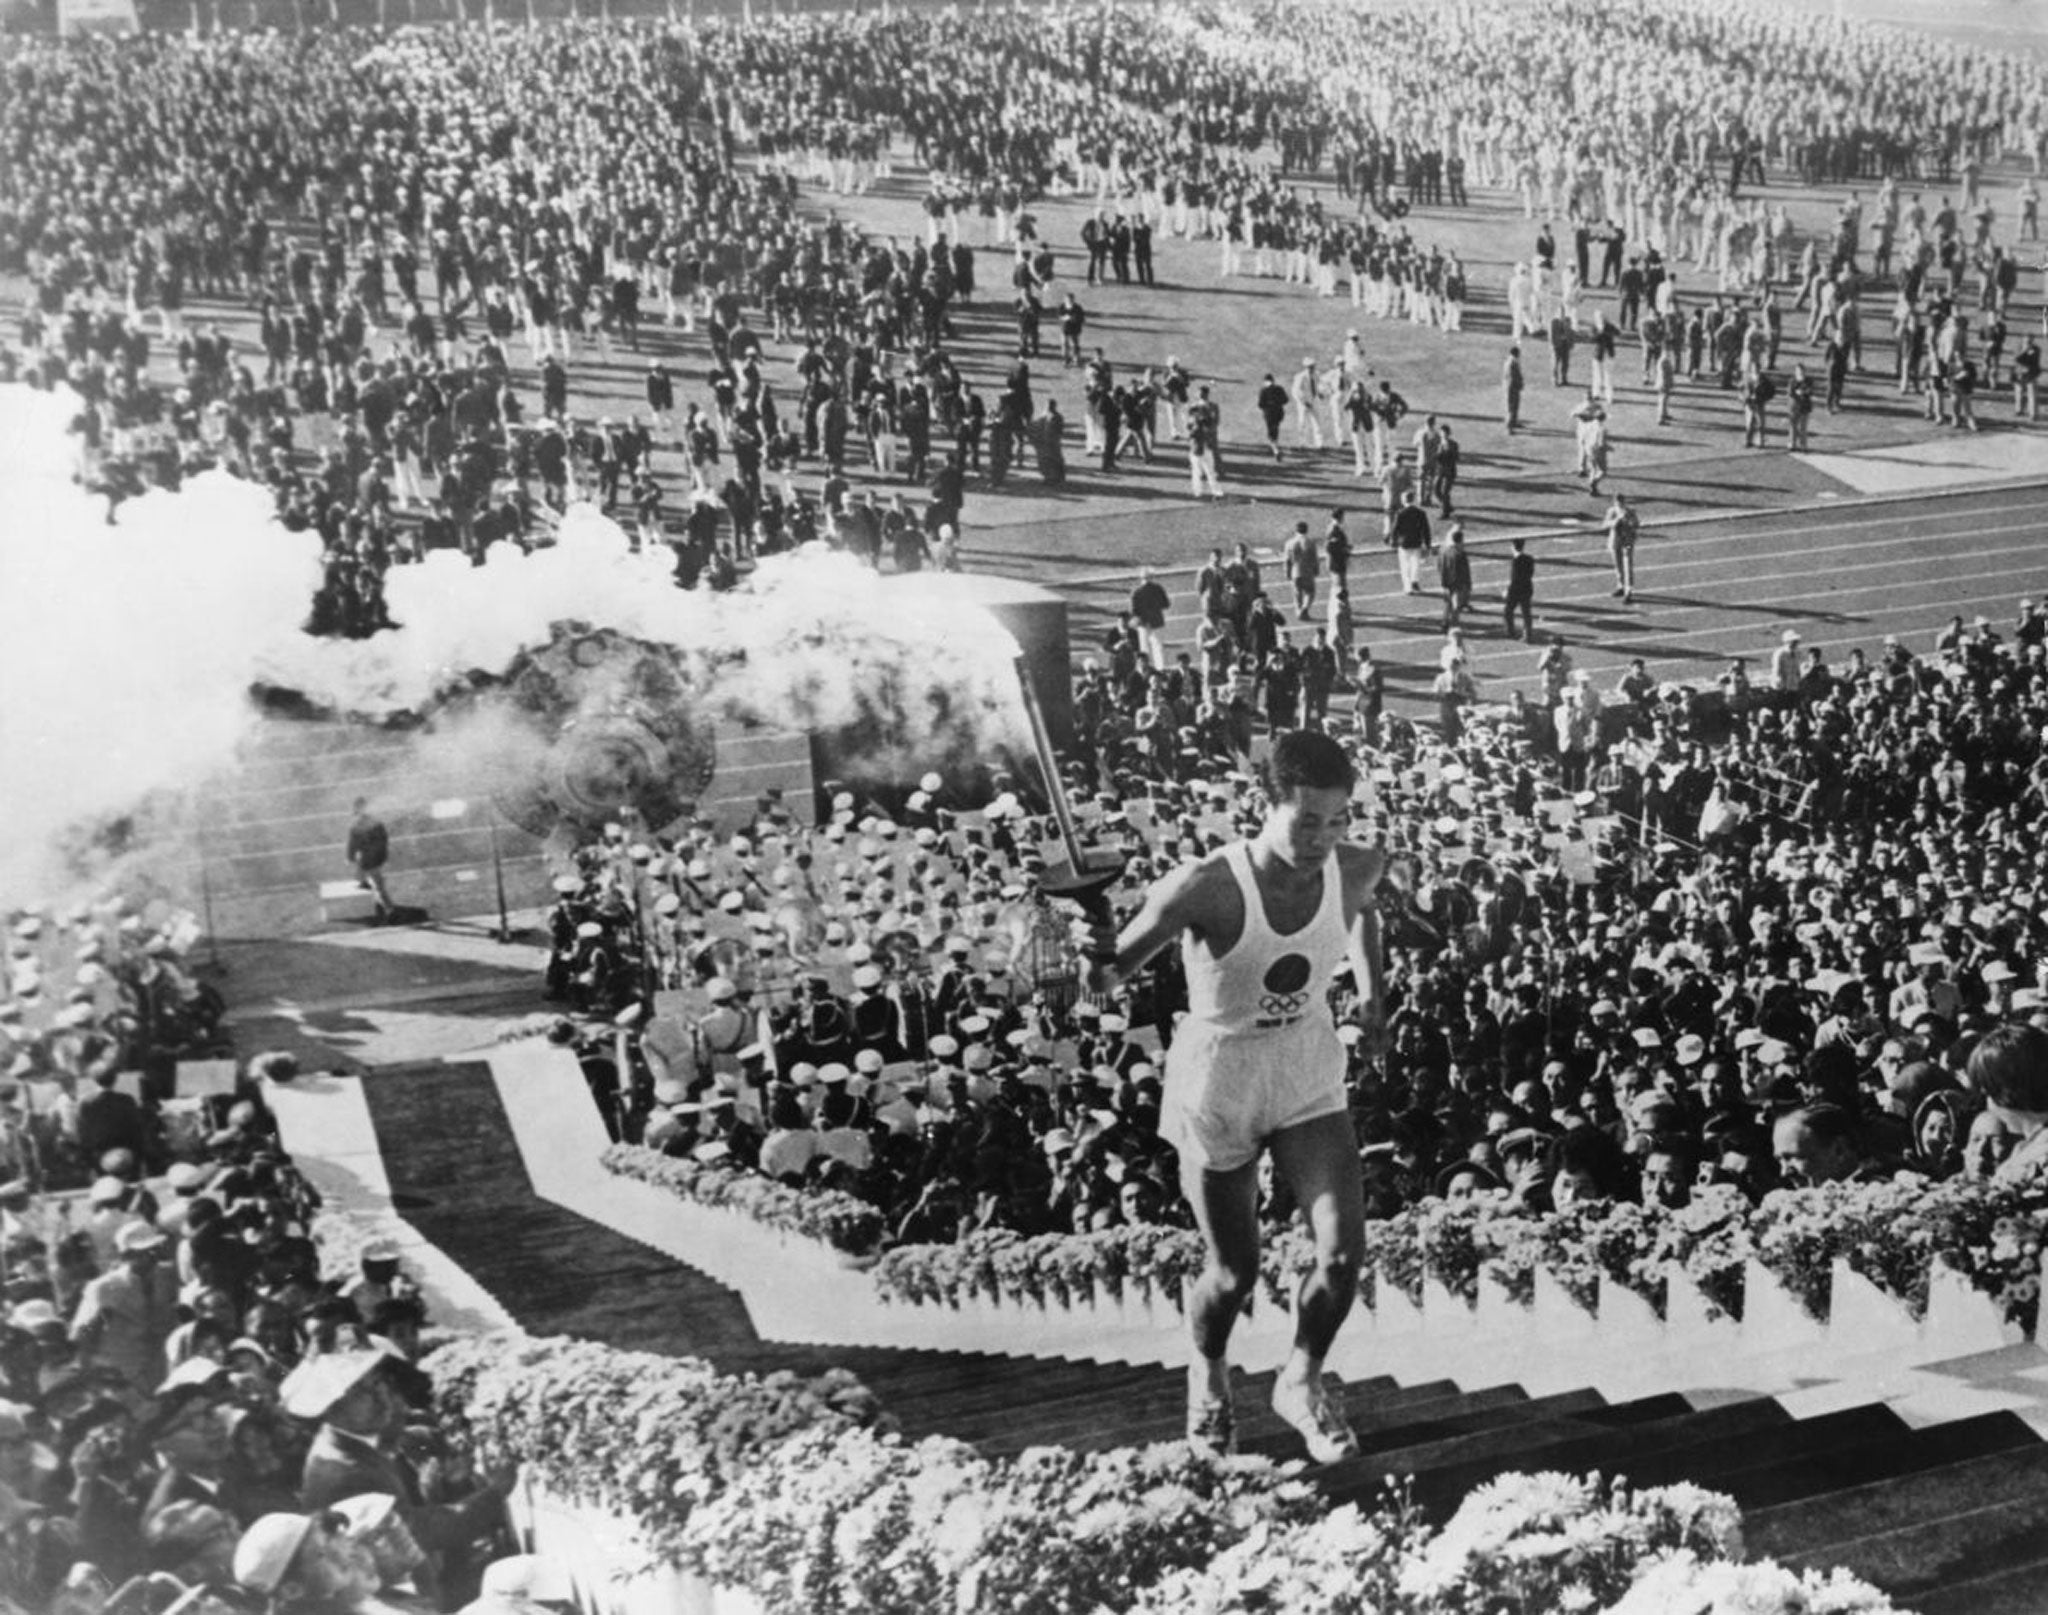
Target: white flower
column 1682, row 1585
column 958, row 1533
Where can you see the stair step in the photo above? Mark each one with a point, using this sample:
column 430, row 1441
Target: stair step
column 916, row 1373
column 1502, row 1445
column 1506, row 1452
column 1881, row 1454
column 1160, row 1415
column 996, row 1398
column 1641, row 1410
column 1055, row 1378
column 2015, row 1591
column 1905, row 1503
column 1930, row 1556
column 1049, row 1409
column 1896, row 1505
column 1260, row 1431
column 1612, row 1450
column 1729, row 1453
column 1456, row 1417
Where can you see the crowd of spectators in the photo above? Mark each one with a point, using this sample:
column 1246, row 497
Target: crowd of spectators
column 1748, row 934
column 517, row 205
column 196, row 1412
column 1758, row 946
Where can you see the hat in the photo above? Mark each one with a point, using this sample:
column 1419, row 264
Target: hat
column 525, row 1576
column 267, row 1549
column 311, row 1390
column 1647, row 1037
column 1790, row 636
column 719, row 989
column 1771, row 1052
column 868, row 1062
column 1748, row 1038
column 943, row 1047
column 138, row 1237
column 1691, row 1049
column 32, row 1317
column 1520, row 1139
column 185, row 1178
column 105, row 1191
column 1486, row 1176
column 1996, row 971
column 193, row 1374
column 867, row 976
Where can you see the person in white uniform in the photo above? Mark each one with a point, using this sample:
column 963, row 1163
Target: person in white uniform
column 1257, row 1066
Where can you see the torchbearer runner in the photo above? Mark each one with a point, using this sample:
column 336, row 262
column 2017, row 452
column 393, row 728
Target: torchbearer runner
column 1257, row 1066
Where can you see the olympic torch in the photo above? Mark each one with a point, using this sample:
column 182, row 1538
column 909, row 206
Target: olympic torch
column 1089, row 873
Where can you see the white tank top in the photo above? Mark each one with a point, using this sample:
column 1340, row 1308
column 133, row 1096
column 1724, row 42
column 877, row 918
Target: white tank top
column 1267, row 982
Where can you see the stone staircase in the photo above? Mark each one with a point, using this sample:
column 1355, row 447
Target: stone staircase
column 1947, row 1516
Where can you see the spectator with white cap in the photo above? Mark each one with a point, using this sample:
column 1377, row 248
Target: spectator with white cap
column 126, row 1313
column 522, row 1585
column 1785, row 670
column 304, row 1564
column 187, row 1432
column 373, row 1524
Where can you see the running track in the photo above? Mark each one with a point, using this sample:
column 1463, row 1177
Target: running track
column 1842, row 576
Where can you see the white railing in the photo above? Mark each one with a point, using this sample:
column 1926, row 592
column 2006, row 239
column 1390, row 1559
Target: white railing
column 796, row 1289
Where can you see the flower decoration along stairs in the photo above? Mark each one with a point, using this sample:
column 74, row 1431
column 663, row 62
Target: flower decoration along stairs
column 1914, row 1467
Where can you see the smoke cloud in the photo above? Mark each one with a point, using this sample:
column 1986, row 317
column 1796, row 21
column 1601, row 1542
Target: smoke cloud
column 127, row 653
column 124, row 650
column 816, row 640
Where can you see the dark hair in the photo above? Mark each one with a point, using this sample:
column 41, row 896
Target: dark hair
column 1303, row 759
column 1827, row 1124
column 2010, row 1067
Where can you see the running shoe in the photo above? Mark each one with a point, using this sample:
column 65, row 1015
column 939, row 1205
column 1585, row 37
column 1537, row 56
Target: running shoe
column 1312, row 1410
column 1212, row 1425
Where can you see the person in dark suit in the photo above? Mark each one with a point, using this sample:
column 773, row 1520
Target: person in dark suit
column 111, row 1120
column 368, row 851
column 1521, row 595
